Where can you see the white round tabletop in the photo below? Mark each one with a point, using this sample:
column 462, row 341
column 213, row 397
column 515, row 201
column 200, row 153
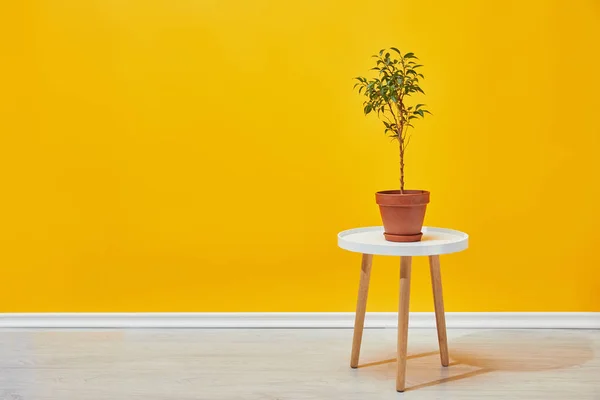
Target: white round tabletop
column 435, row 241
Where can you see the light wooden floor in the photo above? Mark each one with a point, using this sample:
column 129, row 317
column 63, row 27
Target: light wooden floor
column 295, row 364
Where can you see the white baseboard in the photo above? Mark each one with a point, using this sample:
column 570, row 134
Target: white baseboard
column 491, row 320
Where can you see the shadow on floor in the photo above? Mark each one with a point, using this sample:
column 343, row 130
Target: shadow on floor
column 392, row 360
column 522, row 350
column 509, row 350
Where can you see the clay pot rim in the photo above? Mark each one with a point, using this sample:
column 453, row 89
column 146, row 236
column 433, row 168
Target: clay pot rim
column 410, row 198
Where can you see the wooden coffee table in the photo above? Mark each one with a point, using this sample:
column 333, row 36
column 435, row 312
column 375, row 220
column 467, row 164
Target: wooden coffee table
column 370, row 241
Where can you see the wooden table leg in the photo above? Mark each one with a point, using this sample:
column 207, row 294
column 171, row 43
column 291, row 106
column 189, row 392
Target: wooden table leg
column 438, row 300
column 361, row 307
column 403, row 306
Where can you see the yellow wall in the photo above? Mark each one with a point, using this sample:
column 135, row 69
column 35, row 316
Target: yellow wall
column 140, row 140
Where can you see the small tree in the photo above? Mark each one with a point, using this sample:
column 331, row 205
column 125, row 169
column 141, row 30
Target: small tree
column 397, row 79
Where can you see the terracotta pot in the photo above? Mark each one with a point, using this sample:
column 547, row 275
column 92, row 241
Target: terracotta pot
column 402, row 214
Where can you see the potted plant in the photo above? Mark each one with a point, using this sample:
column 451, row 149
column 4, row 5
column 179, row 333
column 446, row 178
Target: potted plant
column 402, row 211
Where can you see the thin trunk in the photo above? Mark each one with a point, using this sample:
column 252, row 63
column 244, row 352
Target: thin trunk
column 401, row 142
column 401, row 139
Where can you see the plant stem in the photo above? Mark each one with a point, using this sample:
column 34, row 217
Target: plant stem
column 401, row 142
column 401, row 136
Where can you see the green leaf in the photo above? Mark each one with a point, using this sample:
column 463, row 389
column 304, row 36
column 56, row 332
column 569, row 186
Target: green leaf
column 416, row 66
column 419, row 106
column 409, row 55
column 427, row 111
column 396, row 50
column 368, row 109
column 418, row 89
column 381, row 52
